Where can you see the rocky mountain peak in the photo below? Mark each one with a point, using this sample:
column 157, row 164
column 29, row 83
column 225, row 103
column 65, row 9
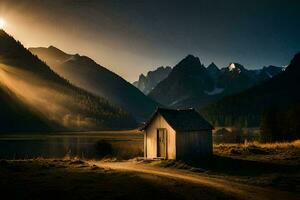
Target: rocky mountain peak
column 212, row 66
column 236, row 68
column 190, row 60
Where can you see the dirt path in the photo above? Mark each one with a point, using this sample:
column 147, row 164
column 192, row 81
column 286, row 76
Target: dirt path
column 238, row 190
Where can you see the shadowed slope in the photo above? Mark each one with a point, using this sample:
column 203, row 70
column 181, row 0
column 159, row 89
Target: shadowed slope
column 85, row 73
column 189, row 79
column 37, row 86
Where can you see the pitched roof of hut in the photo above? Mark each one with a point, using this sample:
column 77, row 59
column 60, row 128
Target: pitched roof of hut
column 182, row 119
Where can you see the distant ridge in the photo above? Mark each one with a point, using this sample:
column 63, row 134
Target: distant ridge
column 87, row 74
column 147, row 83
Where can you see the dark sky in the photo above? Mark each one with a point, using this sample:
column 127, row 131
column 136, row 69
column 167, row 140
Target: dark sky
column 134, row 36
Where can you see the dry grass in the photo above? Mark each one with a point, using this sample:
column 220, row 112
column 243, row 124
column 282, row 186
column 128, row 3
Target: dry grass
column 278, row 152
column 275, row 145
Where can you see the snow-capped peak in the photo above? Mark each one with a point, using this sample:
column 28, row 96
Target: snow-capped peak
column 231, row 67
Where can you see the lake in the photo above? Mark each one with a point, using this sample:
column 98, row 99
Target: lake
column 59, row 145
column 125, row 144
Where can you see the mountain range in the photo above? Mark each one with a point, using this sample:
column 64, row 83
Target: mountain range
column 149, row 82
column 191, row 84
column 187, row 80
column 73, row 92
column 246, row 108
column 33, row 97
column 82, row 71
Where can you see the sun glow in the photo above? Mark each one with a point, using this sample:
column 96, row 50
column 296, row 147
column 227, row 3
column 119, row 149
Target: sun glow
column 2, row 23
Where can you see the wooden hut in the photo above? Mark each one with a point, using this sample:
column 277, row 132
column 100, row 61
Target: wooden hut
column 177, row 134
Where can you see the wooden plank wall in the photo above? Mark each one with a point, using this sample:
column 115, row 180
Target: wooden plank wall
column 193, row 144
column 151, row 139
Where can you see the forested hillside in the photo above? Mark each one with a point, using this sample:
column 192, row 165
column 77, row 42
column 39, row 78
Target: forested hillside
column 277, row 95
column 87, row 74
column 28, row 84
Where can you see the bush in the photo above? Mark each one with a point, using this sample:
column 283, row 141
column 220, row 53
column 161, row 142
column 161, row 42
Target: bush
column 103, row 148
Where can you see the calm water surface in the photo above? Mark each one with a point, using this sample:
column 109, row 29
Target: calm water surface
column 59, row 145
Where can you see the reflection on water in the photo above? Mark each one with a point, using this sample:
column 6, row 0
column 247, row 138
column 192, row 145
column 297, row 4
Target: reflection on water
column 59, row 145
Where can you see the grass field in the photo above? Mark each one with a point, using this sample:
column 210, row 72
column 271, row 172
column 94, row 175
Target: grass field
column 275, row 165
column 270, row 165
column 265, row 164
column 279, row 152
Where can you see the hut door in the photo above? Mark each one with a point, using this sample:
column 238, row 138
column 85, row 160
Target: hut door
column 161, row 143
